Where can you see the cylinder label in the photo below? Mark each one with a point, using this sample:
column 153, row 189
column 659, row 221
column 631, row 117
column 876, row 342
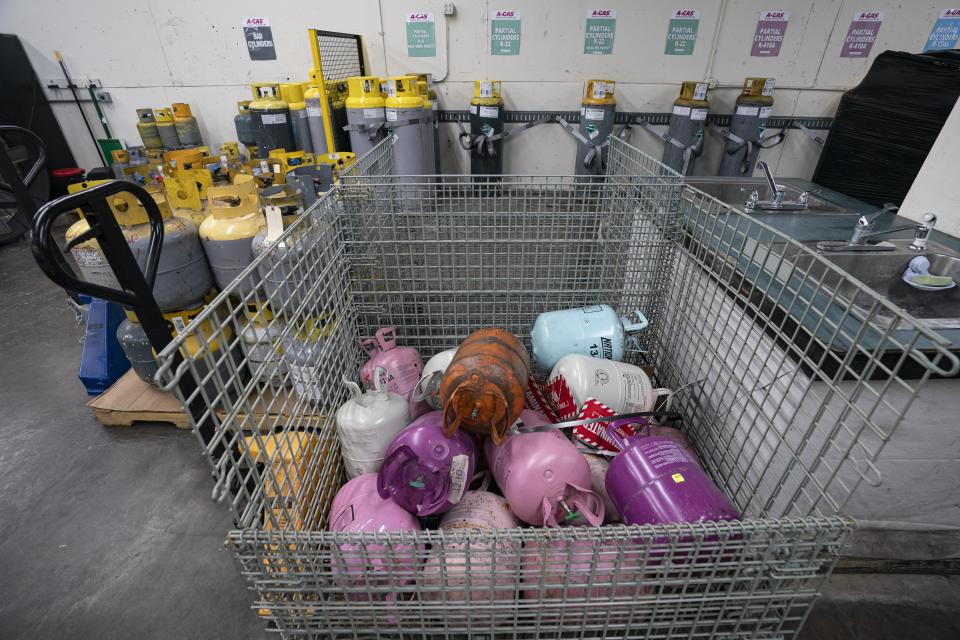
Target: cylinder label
column 489, row 112
column 765, row 112
column 458, row 477
column 747, row 111
column 681, row 111
column 274, row 118
column 592, row 114
column 698, row 114
column 372, row 113
column 391, row 115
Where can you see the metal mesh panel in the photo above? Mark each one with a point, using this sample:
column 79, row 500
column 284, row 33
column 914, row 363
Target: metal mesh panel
column 790, row 381
column 340, row 55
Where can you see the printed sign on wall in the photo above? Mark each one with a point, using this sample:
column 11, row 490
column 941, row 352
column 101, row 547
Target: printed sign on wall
column 259, row 37
column 421, row 35
column 945, row 32
column 768, row 37
column 682, row 32
column 862, row 34
column 505, row 33
column 599, row 33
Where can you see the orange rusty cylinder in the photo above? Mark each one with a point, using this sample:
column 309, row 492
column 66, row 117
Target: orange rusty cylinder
column 483, row 388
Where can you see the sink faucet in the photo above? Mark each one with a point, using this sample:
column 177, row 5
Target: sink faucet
column 776, row 202
column 863, row 230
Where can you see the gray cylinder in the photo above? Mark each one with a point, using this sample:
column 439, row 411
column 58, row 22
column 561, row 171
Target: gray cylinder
column 408, row 151
column 168, row 135
column 301, row 130
column 136, row 346
column 436, row 138
column 686, row 127
column 272, row 130
column 596, row 125
column 287, row 280
column 318, row 137
column 183, row 276
column 243, row 122
column 429, row 138
column 227, row 259
column 147, row 127
column 260, row 342
column 302, row 352
column 188, row 131
column 748, row 122
column 372, row 121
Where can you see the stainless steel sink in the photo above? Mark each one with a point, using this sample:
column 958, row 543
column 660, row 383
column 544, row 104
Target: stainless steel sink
column 882, row 272
column 735, row 192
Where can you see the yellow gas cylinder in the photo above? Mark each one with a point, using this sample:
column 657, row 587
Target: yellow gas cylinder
column 155, row 156
column 312, row 99
column 270, row 114
column 365, row 116
column 235, row 218
column 405, row 112
column 338, row 162
column 597, row 113
column 188, row 131
column 292, row 93
column 182, row 273
column 186, row 181
column 166, row 128
column 231, row 150
column 281, row 161
column 147, row 128
column 289, row 459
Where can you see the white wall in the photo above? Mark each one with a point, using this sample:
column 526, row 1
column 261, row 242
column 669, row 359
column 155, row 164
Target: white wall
column 149, row 53
column 936, row 189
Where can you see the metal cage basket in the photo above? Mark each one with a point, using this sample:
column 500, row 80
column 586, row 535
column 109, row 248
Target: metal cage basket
column 785, row 387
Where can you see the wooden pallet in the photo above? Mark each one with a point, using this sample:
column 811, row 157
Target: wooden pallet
column 131, row 400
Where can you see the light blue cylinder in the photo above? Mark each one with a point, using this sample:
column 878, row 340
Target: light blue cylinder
column 595, row 331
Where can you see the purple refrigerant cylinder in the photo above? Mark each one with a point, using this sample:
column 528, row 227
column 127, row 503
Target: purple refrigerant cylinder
column 545, row 479
column 654, row 480
column 474, row 571
column 402, row 365
column 424, row 471
column 358, row 507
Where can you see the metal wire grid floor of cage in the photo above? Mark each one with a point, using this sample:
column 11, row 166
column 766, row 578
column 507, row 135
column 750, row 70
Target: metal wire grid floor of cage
column 787, row 427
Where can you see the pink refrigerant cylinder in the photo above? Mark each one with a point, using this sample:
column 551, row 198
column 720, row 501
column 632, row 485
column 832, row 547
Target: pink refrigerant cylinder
column 598, row 479
column 545, row 479
column 476, row 571
column 583, row 569
column 402, row 365
column 358, row 507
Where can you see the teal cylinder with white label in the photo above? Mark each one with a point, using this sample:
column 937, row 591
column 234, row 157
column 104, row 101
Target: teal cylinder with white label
column 595, row 331
column 597, row 113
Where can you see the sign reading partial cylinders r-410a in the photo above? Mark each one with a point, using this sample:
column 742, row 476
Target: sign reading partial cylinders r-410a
column 259, row 37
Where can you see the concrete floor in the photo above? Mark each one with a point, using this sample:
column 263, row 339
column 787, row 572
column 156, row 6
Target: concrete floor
column 111, row 532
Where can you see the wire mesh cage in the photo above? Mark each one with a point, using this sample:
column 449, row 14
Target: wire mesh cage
column 785, row 389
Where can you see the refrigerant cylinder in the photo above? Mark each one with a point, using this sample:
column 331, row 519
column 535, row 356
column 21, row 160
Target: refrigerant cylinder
column 753, row 108
column 311, row 98
column 186, row 125
column 686, row 126
column 597, row 112
column 136, row 346
column 147, row 127
column 486, row 119
column 183, row 276
column 365, row 115
column 271, row 120
column 292, row 94
column 431, row 95
column 404, row 111
column 243, row 122
column 429, row 128
column 227, row 234
column 120, row 160
column 166, row 128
